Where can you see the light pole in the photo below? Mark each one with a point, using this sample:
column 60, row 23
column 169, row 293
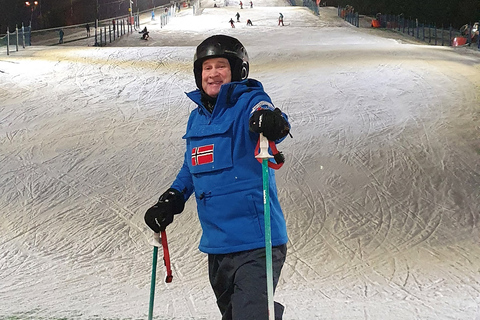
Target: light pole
column 96, row 25
column 33, row 5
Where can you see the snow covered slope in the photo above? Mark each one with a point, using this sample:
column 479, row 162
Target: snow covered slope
column 380, row 186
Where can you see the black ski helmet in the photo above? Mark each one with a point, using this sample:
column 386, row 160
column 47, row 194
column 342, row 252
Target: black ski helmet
column 221, row 46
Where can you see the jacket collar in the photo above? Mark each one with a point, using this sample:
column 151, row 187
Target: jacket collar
column 228, row 95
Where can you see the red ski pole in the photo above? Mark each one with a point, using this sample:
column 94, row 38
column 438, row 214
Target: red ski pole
column 166, row 257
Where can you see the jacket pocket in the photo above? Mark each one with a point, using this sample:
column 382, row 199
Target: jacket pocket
column 231, row 222
column 210, row 147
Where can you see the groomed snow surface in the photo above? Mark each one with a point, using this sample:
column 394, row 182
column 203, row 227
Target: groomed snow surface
column 380, row 188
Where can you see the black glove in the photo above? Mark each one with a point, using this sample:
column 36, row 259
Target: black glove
column 271, row 123
column 161, row 214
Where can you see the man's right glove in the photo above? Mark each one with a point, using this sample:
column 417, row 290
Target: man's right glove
column 159, row 216
column 271, row 123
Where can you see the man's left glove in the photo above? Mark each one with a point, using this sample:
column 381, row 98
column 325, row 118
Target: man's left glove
column 159, row 216
column 271, row 123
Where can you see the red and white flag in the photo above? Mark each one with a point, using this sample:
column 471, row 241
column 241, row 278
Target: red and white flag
column 202, row 155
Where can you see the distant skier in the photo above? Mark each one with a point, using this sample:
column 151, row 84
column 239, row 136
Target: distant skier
column 249, row 22
column 232, row 23
column 280, row 19
column 60, row 33
column 241, row 5
column 251, row 4
column 238, row 17
column 145, row 33
column 87, row 27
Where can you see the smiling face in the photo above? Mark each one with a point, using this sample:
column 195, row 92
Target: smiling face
column 215, row 72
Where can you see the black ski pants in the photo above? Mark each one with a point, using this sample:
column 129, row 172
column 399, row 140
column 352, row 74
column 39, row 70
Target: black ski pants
column 239, row 281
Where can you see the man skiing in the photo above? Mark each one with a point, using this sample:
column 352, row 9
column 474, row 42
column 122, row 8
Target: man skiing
column 280, row 19
column 224, row 176
column 238, row 17
column 232, row 23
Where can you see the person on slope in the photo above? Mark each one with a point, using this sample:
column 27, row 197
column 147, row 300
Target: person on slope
column 232, row 23
column 224, row 176
column 145, row 33
column 61, row 33
column 280, row 19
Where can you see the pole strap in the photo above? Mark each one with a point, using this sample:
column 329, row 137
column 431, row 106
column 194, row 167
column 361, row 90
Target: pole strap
column 166, row 257
column 277, row 155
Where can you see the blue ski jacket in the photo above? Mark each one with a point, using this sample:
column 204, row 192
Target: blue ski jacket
column 220, row 168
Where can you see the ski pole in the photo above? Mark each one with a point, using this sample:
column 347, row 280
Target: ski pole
column 166, row 261
column 264, row 155
column 156, row 244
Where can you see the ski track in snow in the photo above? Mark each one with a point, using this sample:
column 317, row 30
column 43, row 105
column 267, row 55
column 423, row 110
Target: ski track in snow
column 380, row 187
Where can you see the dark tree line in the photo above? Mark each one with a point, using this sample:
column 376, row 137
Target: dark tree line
column 440, row 12
column 56, row 13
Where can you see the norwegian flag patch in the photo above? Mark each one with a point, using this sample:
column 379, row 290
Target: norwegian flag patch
column 202, row 155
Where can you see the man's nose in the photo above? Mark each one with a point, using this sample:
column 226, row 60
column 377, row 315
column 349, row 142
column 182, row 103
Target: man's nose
column 214, row 72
